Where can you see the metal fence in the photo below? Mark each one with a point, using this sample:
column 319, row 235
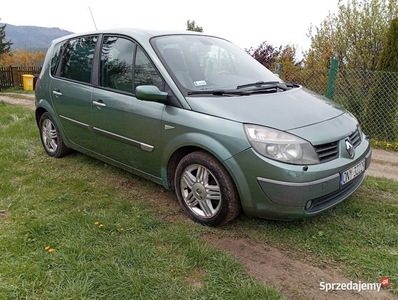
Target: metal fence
column 371, row 96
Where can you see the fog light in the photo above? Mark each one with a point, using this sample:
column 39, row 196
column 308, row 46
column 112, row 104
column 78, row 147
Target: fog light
column 308, row 205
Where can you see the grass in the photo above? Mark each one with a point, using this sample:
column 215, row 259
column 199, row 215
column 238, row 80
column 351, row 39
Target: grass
column 116, row 236
column 392, row 146
column 18, row 90
column 75, row 228
column 359, row 236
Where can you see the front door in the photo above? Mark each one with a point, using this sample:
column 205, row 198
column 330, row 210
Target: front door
column 128, row 130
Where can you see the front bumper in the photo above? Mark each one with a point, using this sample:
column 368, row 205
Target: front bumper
column 275, row 190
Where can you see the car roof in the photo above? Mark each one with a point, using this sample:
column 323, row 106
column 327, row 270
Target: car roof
column 139, row 34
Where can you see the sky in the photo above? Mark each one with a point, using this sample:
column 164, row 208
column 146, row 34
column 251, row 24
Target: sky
column 245, row 23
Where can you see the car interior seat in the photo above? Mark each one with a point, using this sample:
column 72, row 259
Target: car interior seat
column 175, row 60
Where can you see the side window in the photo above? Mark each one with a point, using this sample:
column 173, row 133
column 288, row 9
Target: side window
column 77, row 59
column 55, row 57
column 117, row 64
column 145, row 73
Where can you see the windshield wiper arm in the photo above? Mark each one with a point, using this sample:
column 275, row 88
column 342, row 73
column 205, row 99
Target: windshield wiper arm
column 215, row 92
column 258, row 83
column 262, row 85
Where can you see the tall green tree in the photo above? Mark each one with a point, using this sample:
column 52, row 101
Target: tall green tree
column 388, row 61
column 192, row 26
column 355, row 35
column 5, row 46
column 382, row 111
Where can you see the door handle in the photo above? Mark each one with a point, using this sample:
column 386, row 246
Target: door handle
column 99, row 103
column 57, row 93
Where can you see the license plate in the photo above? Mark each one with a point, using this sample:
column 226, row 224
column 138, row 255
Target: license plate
column 352, row 173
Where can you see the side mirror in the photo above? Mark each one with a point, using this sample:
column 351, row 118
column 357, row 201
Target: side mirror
column 150, row 93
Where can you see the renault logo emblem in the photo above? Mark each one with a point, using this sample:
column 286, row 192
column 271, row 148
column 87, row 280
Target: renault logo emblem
column 350, row 148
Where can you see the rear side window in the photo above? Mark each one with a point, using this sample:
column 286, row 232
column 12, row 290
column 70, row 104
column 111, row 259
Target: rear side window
column 117, row 63
column 55, row 58
column 77, row 59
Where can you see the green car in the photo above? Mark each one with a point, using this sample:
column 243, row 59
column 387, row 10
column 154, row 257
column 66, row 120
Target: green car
column 200, row 116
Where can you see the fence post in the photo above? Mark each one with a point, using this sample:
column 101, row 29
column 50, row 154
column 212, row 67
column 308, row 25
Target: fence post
column 334, row 65
column 15, row 75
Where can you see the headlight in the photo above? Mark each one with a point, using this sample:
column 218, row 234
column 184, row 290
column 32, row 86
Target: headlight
column 280, row 145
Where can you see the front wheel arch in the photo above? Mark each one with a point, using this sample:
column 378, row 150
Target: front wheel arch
column 205, row 189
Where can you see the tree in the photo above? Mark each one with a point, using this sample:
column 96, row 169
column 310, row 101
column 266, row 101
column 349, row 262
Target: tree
column 22, row 58
column 5, row 46
column 382, row 109
column 191, row 26
column 287, row 57
column 388, row 61
column 265, row 54
column 355, row 35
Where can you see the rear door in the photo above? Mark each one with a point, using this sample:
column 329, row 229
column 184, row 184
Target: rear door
column 128, row 130
column 71, row 90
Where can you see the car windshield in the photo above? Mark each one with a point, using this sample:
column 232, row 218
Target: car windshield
column 203, row 63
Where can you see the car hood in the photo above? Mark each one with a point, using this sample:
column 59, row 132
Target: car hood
column 287, row 110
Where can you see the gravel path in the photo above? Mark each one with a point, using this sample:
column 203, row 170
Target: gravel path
column 384, row 163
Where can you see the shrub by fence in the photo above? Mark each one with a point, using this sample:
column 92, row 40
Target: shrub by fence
column 12, row 76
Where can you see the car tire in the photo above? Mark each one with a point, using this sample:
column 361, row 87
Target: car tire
column 205, row 190
column 51, row 138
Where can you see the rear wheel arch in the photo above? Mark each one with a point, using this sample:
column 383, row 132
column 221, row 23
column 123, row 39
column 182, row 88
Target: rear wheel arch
column 51, row 137
column 39, row 112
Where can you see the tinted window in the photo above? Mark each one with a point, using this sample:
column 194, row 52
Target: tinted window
column 77, row 59
column 55, row 57
column 117, row 64
column 145, row 73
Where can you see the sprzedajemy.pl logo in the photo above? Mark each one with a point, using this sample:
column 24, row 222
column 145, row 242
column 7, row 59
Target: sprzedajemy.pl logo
column 354, row 286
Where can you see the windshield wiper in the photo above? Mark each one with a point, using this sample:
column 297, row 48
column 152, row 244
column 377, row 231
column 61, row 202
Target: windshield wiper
column 268, row 85
column 261, row 87
column 215, row 92
column 258, row 83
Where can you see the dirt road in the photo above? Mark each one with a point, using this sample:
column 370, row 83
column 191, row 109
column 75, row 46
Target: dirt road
column 384, row 164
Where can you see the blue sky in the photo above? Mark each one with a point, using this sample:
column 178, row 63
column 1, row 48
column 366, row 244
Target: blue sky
column 245, row 23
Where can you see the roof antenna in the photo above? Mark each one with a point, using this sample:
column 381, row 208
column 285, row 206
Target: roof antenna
column 92, row 18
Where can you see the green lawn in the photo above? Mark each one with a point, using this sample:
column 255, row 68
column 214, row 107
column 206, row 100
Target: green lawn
column 76, row 228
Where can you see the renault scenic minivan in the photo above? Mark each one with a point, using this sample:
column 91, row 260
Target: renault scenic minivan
column 200, row 116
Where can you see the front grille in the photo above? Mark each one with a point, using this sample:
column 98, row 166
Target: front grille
column 327, row 152
column 355, row 138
